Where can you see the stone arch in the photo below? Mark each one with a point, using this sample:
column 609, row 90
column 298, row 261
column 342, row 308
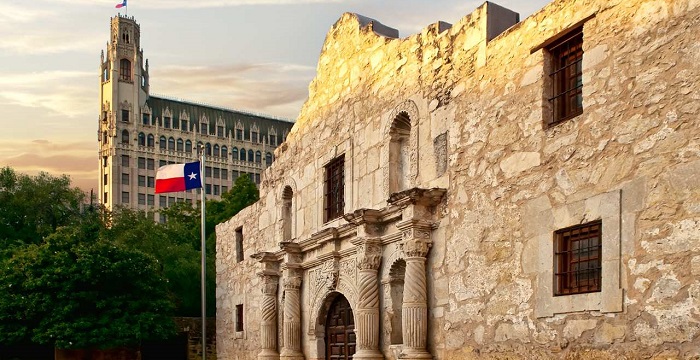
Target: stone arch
column 286, row 212
column 400, row 148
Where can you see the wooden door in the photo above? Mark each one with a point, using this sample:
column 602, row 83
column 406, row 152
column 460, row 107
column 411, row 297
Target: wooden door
column 340, row 330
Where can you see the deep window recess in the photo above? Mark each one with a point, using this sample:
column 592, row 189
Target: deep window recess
column 239, row 244
column 577, row 254
column 239, row 317
column 125, row 160
column 125, row 115
column 334, row 189
column 125, row 70
column 566, row 76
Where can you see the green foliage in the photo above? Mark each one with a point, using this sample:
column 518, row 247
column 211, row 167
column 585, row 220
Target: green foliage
column 76, row 290
column 32, row 207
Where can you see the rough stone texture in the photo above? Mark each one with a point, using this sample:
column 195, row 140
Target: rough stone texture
column 631, row 160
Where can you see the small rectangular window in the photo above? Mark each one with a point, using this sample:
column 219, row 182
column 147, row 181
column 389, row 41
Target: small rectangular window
column 142, row 180
column 105, row 197
column 142, row 199
column 125, row 197
column 204, row 129
column 334, row 189
column 150, row 164
column 239, row 244
column 577, row 255
column 239, row 317
column 171, row 200
column 162, row 163
column 234, row 174
column 257, row 179
column 239, row 134
column 125, row 115
column 207, row 171
column 273, row 140
column 125, row 160
column 224, row 189
column 151, row 181
column 183, row 126
column 105, row 178
column 220, row 131
column 217, row 173
column 254, row 137
column 162, row 201
column 224, row 174
column 216, row 190
column 142, row 162
column 146, row 119
column 125, row 179
column 208, row 189
column 151, row 199
column 566, row 76
column 166, row 122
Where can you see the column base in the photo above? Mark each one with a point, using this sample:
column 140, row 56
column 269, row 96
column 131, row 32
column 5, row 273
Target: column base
column 292, row 355
column 268, row 354
column 368, row 355
column 415, row 354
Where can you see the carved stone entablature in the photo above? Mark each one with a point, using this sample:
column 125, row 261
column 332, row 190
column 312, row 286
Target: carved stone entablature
column 417, row 196
column 269, row 264
column 369, row 222
column 369, row 254
column 292, row 254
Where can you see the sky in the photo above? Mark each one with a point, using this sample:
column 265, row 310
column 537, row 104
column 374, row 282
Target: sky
column 253, row 55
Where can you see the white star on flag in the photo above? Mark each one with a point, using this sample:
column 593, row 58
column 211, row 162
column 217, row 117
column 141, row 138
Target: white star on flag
column 192, row 176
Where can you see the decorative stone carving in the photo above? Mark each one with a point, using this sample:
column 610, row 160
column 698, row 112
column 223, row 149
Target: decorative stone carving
column 292, row 318
column 367, row 324
column 416, row 247
column 369, row 254
column 440, row 149
column 268, row 323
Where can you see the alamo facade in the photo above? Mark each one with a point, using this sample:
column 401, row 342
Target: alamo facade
column 494, row 188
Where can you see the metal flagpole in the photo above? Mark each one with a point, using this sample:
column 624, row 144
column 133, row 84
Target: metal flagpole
column 204, row 257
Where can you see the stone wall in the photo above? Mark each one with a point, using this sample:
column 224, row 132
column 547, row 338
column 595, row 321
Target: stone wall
column 477, row 110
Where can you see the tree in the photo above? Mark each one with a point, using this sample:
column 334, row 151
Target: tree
column 76, row 290
column 32, row 207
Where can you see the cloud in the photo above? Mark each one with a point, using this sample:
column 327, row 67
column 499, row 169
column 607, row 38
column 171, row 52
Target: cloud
column 76, row 159
column 67, row 93
column 45, row 41
column 12, row 13
column 277, row 89
column 189, row 4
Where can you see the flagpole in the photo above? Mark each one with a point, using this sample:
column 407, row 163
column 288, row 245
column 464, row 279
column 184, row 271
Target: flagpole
column 204, row 256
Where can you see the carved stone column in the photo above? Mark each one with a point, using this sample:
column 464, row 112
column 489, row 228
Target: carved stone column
column 268, row 323
column 414, row 311
column 291, row 332
column 367, row 326
column 269, row 275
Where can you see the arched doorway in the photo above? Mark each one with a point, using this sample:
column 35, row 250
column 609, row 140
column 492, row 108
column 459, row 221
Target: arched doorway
column 340, row 330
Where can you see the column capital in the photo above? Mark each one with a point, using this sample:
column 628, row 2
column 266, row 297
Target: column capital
column 416, row 247
column 269, row 283
column 292, row 282
column 369, row 254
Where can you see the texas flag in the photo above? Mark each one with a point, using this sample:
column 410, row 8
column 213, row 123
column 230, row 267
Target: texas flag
column 123, row 4
column 178, row 177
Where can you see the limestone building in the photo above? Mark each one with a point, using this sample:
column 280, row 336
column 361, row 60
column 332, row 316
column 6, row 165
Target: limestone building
column 139, row 132
column 494, row 188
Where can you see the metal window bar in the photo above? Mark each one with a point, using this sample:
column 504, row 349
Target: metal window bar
column 577, row 259
column 334, row 189
column 566, row 77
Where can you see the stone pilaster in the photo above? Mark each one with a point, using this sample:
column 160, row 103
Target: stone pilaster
column 269, row 275
column 367, row 325
column 414, row 311
column 291, row 331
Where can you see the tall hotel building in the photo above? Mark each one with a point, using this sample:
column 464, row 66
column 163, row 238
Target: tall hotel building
column 139, row 132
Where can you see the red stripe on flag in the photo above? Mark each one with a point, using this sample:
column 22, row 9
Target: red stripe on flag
column 170, row 185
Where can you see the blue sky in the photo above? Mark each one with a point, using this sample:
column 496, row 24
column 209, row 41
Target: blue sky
column 254, row 55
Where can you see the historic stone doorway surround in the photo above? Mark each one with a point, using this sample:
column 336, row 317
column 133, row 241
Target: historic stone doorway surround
column 340, row 337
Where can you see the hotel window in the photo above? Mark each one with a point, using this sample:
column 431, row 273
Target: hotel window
column 207, row 171
column 268, row 159
column 171, row 200
column 162, row 201
column 220, row 131
column 166, row 122
column 254, row 137
column 142, row 199
column 204, row 128
column 125, row 179
column 180, row 145
column 142, row 180
column 251, row 155
column 151, row 182
column 258, row 157
column 150, row 164
column 183, row 125
column 239, row 134
column 142, row 139
column 125, row 70
column 216, row 150
column 273, row 140
column 150, row 141
column 224, row 189
column 207, row 149
column 150, row 199
column 125, row 115
column 224, row 174
column 224, row 151
column 142, row 163
column 334, row 189
column 171, row 144
column 577, row 255
column 208, row 189
column 188, row 146
column 125, row 137
column 146, row 119
column 216, row 173
column 234, row 174
column 216, row 190
column 257, row 179
column 125, row 197
column 163, row 143
column 566, row 76
column 162, row 163
column 125, row 160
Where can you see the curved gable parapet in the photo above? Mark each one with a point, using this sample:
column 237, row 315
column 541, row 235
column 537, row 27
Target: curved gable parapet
column 377, row 27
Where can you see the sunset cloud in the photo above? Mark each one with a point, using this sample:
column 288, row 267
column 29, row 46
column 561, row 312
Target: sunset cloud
column 188, row 4
column 66, row 93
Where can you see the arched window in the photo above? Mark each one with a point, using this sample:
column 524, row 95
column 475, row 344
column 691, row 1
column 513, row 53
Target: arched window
column 151, row 141
column 180, row 145
column 242, row 154
column 251, row 155
column 268, row 159
column 125, row 137
column 125, row 70
column 287, row 214
column 142, row 139
column 224, row 152
column 163, row 142
column 258, row 157
column 171, row 144
column 234, row 153
column 216, row 150
column 188, row 147
column 208, row 149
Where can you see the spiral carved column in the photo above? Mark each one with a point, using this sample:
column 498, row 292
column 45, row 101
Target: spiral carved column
column 414, row 311
column 268, row 324
column 292, row 319
column 367, row 325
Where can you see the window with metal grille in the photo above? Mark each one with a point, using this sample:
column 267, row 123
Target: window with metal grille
column 577, row 254
column 239, row 317
column 566, row 76
column 334, row 189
